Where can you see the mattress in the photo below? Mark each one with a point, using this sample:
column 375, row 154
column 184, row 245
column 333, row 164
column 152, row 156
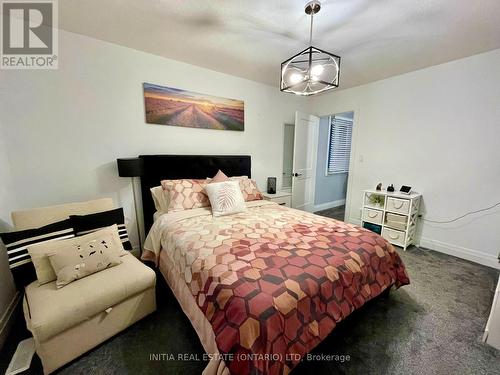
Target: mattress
column 262, row 288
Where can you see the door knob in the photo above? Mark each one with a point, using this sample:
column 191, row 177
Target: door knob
column 297, row 174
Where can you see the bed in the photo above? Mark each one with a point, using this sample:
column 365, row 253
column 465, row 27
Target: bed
column 262, row 288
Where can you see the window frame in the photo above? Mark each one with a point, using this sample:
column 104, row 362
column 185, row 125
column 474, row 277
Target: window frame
column 329, row 144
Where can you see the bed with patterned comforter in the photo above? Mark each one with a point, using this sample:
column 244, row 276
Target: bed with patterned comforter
column 262, row 288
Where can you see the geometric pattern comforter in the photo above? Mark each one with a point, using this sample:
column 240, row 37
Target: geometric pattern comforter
column 273, row 282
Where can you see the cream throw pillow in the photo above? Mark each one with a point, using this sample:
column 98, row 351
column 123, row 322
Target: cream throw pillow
column 160, row 198
column 84, row 258
column 39, row 252
column 225, row 198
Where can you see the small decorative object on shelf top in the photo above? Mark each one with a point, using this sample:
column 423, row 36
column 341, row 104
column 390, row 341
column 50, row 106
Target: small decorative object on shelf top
column 376, row 200
column 390, row 188
column 405, row 189
column 379, row 187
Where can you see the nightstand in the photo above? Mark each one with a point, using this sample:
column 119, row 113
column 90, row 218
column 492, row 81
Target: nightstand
column 283, row 198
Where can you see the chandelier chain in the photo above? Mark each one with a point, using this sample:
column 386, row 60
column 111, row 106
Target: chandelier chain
column 311, row 30
column 312, row 70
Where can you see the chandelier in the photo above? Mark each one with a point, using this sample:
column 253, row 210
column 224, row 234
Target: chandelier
column 312, row 70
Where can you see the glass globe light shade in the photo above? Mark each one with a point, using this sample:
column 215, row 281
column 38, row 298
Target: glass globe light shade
column 310, row 72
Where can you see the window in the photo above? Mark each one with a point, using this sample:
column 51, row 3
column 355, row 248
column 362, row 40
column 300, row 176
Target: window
column 339, row 146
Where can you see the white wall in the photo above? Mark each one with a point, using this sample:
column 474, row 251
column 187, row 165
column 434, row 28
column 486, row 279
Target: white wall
column 7, row 203
column 288, row 141
column 438, row 130
column 90, row 112
column 63, row 130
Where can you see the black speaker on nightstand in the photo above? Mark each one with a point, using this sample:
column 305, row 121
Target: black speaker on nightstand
column 271, row 185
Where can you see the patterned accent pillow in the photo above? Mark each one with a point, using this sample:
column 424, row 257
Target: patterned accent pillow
column 84, row 256
column 226, row 198
column 16, row 245
column 40, row 252
column 185, row 194
column 248, row 188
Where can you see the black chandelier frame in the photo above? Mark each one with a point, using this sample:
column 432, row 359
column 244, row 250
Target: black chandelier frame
column 310, row 51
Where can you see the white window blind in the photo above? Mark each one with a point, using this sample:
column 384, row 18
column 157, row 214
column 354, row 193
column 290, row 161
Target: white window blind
column 339, row 147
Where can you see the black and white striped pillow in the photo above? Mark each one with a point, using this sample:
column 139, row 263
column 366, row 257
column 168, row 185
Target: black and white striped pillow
column 16, row 244
column 84, row 224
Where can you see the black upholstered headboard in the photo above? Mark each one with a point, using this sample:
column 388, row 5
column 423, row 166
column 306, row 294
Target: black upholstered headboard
column 168, row 167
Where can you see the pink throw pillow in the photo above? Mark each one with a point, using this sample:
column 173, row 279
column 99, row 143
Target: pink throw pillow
column 248, row 188
column 219, row 177
column 185, row 194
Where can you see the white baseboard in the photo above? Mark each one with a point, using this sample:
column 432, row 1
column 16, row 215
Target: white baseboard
column 461, row 252
column 454, row 250
column 8, row 317
column 327, row 205
column 354, row 221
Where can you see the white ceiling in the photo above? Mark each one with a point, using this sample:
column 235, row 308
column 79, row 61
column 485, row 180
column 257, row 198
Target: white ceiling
column 250, row 38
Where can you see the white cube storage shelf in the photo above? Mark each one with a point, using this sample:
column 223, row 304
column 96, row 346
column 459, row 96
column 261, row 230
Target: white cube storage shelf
column 395, row 213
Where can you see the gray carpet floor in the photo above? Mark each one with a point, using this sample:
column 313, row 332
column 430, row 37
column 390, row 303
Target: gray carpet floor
column 433, row 326
column 334, row 213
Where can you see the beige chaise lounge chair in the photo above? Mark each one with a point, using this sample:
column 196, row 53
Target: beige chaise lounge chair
column 68, row 322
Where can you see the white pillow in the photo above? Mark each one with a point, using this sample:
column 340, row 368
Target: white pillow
column 160, row 198
column 225, row 198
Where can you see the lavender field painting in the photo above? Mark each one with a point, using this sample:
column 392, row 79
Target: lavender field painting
column 176, row 107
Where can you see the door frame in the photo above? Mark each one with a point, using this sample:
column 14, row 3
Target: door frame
column 285, row 124
column 350, row 175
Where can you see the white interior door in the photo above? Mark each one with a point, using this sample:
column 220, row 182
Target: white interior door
column 304, row 161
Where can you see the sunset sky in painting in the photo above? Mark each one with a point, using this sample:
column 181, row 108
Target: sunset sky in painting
column 162, row 92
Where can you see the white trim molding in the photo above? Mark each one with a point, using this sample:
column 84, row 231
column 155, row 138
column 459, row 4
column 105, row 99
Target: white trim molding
column 354, row 221
column 8, row 318
column 461, row 252
column 327, row 205
column 453, row 250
